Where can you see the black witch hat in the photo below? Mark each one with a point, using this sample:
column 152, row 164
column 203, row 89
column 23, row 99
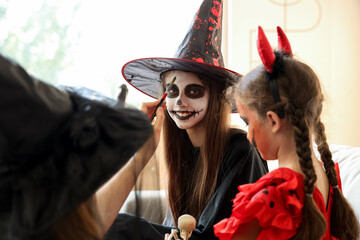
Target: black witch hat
column 199, row 52
column 56, row 149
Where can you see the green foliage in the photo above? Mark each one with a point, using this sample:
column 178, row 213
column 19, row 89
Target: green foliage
column 43, row 43
column 3, row 9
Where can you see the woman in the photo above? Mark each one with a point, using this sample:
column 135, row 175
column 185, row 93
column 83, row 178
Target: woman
column 205, row 158
column 281, row 101
column 56, row 149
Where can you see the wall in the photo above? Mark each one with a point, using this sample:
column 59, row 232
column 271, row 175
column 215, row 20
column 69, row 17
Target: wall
column 324, row 33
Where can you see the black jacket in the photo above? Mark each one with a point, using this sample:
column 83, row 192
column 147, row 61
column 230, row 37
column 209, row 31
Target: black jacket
column 242, row 164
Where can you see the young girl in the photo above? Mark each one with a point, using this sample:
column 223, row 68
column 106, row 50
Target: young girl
column 206, row 159
column 281, row 101
column 205, row 151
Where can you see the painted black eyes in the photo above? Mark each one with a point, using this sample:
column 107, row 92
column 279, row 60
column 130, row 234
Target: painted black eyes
column 173, row 92
column 193, row 91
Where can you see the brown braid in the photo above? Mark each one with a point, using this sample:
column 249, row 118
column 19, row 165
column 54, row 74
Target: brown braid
column 325, row 154
column 313, row 225
column 344, row 224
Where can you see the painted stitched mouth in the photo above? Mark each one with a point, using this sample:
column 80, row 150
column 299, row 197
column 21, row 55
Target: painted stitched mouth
column 185, row 115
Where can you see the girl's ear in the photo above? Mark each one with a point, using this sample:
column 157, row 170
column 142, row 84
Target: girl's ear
column 274, row 121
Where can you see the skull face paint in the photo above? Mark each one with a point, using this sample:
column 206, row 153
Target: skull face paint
column 187, row 100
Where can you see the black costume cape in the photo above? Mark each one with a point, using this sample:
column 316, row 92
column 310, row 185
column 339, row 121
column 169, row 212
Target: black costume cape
column 242, row 164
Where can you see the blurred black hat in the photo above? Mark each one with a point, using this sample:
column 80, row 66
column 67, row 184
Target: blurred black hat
column 56, row 149
column 199, row 52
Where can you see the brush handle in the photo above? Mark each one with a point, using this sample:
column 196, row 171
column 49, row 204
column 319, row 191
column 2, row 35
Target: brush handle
column 160, row 103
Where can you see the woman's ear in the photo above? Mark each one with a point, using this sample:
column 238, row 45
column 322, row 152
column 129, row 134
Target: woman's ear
column 274, row 121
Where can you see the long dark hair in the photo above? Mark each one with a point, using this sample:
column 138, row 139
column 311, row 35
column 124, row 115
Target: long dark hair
column 192, row 182
column 301, row 101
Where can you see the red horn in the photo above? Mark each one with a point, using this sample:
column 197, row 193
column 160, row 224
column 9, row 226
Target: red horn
column 283, row 42
column 266, row 53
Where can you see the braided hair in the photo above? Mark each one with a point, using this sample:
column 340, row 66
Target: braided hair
column 344, row 224
column 301, row 103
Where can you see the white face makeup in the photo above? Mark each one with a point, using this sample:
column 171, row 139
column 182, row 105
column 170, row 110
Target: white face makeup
column 187, row 100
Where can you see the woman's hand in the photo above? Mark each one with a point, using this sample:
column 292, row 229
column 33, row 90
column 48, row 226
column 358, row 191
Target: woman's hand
column 166, row 236
column 148, row 108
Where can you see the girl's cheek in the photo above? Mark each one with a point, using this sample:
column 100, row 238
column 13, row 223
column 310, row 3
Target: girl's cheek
column 170, row 102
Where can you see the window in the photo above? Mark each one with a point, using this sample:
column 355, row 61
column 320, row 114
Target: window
column 86, row 42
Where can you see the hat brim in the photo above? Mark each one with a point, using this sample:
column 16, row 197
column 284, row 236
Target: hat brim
column 89, row 149
column 145, row 73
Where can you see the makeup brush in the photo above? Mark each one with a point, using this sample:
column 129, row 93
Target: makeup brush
column 163, row 98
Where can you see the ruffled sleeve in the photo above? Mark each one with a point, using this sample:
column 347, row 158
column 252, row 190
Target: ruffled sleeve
column 275, row 200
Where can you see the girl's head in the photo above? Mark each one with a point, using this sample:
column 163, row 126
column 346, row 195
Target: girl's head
column 193, row 98
column 284, row 90
column 300, row 99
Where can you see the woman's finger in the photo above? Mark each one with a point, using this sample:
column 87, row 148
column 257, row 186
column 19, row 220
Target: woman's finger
column 149, row 107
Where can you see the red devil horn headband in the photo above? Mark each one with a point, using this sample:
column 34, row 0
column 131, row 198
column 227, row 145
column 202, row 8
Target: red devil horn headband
column 266, row 53
column 283, row 42
column 268, row 58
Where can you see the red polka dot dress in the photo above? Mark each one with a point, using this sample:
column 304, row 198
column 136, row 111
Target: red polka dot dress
column 276, row 201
